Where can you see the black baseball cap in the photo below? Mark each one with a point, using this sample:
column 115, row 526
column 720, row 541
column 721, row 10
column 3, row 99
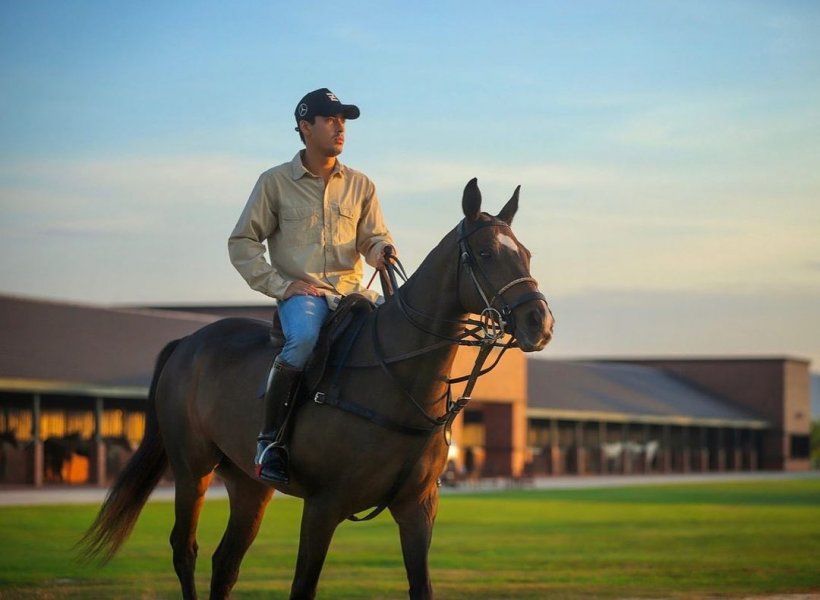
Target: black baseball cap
column 323, row 103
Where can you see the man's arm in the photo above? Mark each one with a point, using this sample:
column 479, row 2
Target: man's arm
column 246, row 245
column 372, row 234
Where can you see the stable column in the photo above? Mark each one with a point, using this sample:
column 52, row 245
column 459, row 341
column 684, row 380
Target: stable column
column 665, row 462
column 626, row 455
column 97, row 457
column 37, row 465
column 555, row 449
column 580, row 449
column 685, row 450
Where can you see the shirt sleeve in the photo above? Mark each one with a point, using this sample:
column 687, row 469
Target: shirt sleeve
column 372, row 234
column 246, row 245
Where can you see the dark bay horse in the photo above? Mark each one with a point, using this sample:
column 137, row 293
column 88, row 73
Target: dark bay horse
column 204, row 413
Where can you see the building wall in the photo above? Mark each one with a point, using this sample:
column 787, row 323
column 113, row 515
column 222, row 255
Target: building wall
column 497, row 434
column 506, row 383
column 776, row 389
column 797, row 414
column 585, row 447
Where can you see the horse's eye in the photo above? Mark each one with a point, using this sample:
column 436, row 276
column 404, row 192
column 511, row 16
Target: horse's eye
column 484, row 253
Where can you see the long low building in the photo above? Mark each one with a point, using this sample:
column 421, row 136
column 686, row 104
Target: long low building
column 669, row 415
column 74, row 379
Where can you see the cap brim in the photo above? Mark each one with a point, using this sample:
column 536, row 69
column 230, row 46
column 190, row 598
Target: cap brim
column 350, row 111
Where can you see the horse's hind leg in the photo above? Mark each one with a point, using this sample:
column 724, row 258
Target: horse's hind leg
column 248, row 499
column 189, row 496
column 319, row 521
column 415, row 517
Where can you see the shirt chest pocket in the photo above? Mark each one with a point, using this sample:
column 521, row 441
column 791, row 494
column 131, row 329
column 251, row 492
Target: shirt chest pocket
column 347, row 219
column 300, row 225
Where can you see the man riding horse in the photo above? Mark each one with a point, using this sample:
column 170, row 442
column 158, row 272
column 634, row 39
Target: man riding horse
column 384, row 410
column 318, row 217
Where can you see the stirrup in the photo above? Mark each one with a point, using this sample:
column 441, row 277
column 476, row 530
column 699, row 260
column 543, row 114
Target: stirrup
column 272, row 462
column 263, row 442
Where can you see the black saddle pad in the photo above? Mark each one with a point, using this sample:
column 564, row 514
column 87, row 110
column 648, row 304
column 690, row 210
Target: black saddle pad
column 340, row 324
column 337, row 333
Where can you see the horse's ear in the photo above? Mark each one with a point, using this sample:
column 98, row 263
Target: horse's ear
column 510, row 208
column 471, row 201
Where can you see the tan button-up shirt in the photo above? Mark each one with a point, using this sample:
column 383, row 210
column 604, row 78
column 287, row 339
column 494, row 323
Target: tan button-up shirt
column 314, row 233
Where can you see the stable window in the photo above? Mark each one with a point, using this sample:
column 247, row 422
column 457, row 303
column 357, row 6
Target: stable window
column 800, row 446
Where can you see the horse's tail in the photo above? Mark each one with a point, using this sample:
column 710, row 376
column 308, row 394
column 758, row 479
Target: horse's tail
column 133, row 486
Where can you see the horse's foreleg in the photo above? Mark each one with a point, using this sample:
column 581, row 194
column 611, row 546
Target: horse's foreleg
column 319, row 521
column 248, row 499
column 189, row 495
column 415, row 517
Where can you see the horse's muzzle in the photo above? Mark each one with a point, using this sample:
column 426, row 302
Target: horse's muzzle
column 534, row 328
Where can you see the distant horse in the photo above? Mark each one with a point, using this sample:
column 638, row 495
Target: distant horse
column 7, row 438
column 57, row 451
column 370, row 437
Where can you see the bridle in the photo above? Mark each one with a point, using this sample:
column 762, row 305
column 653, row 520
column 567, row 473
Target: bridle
column 486, row 333
column 494, row 322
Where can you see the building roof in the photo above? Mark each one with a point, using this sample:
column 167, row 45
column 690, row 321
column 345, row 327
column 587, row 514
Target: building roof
column 620, row 392
column 263, row 312
column 56, row 346
column 64, row 348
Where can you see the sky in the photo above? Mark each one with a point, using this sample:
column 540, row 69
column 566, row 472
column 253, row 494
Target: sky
column 668, row 152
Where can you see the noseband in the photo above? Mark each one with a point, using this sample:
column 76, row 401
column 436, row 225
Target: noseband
column 495, row 322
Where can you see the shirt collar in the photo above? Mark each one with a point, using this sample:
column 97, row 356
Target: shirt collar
column 298, row 169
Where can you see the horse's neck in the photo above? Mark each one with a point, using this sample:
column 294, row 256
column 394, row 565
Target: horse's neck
column 432, row 289
column 431, row 301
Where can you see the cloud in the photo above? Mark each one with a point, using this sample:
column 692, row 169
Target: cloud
column 588, row 225
column 414, row 175
column 718, row 123
column 626, row 322
column 147, row 178
column 132, row 226
column 122, row 195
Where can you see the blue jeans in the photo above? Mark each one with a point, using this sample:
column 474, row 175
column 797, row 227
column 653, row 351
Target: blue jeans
column 302, row 318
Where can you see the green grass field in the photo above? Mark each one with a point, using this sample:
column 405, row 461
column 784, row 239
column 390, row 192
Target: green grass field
column 681, row 541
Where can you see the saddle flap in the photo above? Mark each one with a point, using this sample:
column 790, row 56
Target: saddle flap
column 337, row 332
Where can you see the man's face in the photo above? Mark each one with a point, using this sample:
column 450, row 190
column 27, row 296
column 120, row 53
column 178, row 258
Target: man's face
column 326, row 134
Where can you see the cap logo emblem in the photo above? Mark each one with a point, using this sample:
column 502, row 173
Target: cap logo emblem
column 332, row 97
column 303, row 109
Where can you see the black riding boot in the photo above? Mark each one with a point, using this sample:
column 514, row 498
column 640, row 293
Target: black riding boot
column 271, row 452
